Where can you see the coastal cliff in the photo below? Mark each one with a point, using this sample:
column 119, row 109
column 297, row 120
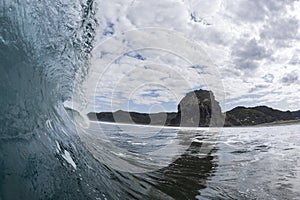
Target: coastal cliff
column 197, row 109
column 200, row 109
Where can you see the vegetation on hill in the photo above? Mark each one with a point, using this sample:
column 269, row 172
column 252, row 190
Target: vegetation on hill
column 199, row 108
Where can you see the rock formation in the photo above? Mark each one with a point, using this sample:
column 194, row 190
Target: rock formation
column 197, row 108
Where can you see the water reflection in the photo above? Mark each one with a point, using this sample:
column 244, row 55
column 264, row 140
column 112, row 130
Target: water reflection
column 182, row 179
column 187, row 175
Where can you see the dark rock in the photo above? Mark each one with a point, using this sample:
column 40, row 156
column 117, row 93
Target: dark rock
column 199, row 108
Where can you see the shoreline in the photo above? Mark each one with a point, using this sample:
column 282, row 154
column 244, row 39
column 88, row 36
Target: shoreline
column 272, row 124
column 279, row 123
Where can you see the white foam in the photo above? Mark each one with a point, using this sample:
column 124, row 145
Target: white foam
column 49, row 125
column 58, row 147
column 138, row 143
column 68, row 158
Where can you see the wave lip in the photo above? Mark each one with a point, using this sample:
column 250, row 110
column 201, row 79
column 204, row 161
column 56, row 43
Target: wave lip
column 44, row 54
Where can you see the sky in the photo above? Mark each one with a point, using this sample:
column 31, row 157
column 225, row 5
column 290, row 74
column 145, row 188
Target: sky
column 148, row 54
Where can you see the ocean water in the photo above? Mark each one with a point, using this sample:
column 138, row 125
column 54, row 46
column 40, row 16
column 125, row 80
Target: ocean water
column 226, row 163
column 117, row 161
column 49, row 152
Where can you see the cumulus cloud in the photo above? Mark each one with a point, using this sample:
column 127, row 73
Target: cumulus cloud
column 245, row 54
column 248, row 41
column 249, row 50
column 268, row 78
column 257, row 11
column 295, row 59
column 247, row 11
column 290, row 78
column 167, row 14
column 282, row 31
column 258, row 87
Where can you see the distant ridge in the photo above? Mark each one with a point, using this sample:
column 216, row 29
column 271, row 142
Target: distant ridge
column 134, row 117
column 243, row 116
column 200, row 109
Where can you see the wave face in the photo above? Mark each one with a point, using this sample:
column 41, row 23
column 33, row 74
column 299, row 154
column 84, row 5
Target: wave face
column 45, row 48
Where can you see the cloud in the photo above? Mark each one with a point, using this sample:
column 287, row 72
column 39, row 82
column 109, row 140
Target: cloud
column 245, row 54
column 258, row 87
column 268, row 78
column 249, row 50
column 247, row 11
column 248, row 41
column 290, row 78
column 282, row 31
column 246, row 64
column 257, row 11
column 167, row 14
column 295, row 60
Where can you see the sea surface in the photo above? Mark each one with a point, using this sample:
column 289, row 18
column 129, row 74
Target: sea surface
column 118, row 161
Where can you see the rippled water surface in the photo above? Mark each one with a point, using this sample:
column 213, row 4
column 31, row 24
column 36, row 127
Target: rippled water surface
column 256, row 163
column 228, row 163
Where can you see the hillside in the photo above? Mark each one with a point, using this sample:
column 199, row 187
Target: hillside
column 197, row 108
column 242, row 116
column 121, row 116
column 200, row 109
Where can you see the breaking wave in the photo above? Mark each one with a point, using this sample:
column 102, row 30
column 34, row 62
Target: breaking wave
column 45, row 48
